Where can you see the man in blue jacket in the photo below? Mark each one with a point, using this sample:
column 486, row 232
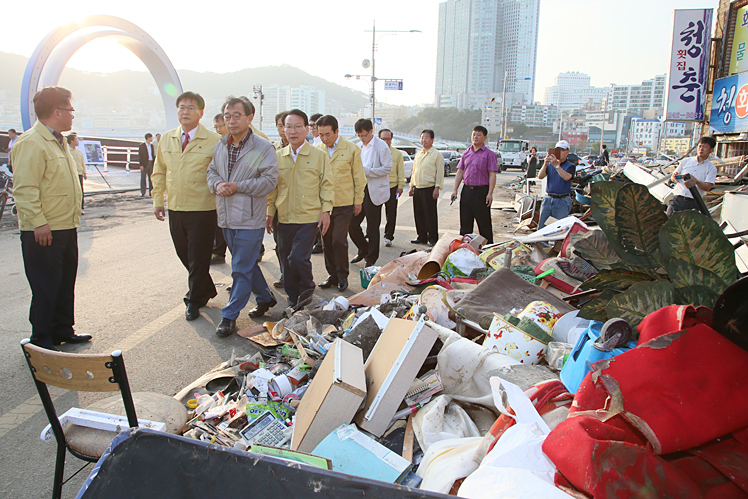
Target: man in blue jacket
column 243, row 172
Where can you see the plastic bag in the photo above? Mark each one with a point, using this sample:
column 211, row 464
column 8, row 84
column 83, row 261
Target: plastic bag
column 462, row 262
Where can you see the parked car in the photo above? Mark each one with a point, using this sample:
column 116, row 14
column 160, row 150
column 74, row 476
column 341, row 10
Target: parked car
column 451, row 160
column 408, row 166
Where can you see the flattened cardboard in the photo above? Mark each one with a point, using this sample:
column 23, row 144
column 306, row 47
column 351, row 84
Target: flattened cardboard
column 333, row 397
column 390, row 370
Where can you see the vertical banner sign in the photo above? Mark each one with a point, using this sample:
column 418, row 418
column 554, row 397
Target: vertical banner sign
column 739, row 57
column 689, row 64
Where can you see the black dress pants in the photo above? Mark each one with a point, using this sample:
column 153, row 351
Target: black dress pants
column 219, row 243
column 390, row 210
column 51, row 272
column 192, row 233
column 335, row 242
column 296, row 242
column 473, row 207
column 146, row 173
column 368, row 246
column 424, row 212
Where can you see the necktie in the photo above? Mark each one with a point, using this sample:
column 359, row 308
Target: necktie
column 185, row 141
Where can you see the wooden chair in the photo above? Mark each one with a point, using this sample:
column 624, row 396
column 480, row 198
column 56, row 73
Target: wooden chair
column 94, row 373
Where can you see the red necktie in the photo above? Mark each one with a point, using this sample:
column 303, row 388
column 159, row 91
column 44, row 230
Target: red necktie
column 185, row 141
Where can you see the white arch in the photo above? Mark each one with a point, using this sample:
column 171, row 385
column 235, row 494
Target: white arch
column 52, row 54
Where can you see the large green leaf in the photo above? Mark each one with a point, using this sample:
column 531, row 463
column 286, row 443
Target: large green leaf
column 618, row 280
column 640, row 300
column 698, row 240
column 594, row 310
column 594, row 248
column 698, row 296
column 639, row 217
column 603, row 209
column 683, row 273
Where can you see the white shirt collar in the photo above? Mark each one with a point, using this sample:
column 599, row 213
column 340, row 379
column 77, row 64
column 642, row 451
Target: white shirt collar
column 191, row 133
column 295, row 153
column 331, row 150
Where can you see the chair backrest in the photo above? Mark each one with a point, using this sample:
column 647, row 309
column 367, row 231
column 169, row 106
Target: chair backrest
column 81, row 372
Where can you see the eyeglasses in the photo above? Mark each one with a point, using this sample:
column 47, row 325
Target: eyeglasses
column 186, row 108
column 295, row 127
column 68, row 109
column 236, row 116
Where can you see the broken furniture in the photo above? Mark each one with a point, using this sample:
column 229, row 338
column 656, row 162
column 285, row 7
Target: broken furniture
column 94, row 373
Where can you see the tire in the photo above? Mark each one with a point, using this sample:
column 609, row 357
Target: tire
column 3, row 200
column 503, row 167
column 447, row 170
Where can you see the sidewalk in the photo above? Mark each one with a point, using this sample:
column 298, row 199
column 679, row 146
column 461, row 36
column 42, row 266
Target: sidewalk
column 118, row 178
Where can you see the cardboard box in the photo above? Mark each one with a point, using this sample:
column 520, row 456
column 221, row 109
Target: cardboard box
column 390, row 369
column 333, row 397
column 357, row 454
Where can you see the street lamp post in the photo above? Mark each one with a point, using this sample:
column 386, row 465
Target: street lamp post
column 257, row 90
column 504, row 107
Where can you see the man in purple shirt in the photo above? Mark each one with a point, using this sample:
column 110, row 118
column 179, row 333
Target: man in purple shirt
column 477, row 168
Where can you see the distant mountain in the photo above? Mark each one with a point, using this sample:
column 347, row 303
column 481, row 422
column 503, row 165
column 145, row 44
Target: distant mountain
column 138, row 86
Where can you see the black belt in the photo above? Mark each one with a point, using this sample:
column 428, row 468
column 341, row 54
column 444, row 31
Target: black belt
column 474, row 187
column 558, row 196
column 684, row 197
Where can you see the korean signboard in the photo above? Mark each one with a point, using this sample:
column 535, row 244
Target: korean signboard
column 730, row 104
column 739, row 57
column 689, row 64
column 393, row 84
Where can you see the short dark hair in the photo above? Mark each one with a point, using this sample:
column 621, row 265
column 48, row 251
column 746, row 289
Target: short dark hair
column 218, row 117
column 148, row 136
column 71, row 137
column 327, row 120
column 12, row 130
column 48, row 99
column 297, row 112
column 478, row 128
column 379, row 134
column 249, row 108
column 315, row 117
column 430, row 132
column 604, row 146
column 708, row 141
column 192, row 96
column 364, row 124
column 281, row 116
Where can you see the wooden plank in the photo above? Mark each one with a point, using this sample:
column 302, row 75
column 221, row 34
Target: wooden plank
column 408, row 440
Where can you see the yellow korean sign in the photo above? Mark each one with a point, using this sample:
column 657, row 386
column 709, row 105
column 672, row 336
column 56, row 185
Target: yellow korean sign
column 739, row 57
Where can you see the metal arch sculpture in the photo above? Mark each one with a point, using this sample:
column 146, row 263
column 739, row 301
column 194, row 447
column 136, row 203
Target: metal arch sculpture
column 54, row 51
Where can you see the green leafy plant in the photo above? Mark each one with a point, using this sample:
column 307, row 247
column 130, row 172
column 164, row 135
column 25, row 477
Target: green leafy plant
column 647, row 261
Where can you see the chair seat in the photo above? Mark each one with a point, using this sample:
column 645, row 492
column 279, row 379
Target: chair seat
column 152, row 406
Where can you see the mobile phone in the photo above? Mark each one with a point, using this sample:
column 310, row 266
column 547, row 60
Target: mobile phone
column 679, row 177
column 556, row 151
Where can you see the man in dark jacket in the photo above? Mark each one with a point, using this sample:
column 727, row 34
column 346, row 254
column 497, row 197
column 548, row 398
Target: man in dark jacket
column 146, row 155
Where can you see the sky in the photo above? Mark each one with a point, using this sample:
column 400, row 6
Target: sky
column 612, row 41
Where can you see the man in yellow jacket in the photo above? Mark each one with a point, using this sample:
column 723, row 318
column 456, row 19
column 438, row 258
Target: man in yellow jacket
column 80, row 163
column 427, row 181
column 48, row 197
column 348, row 182
column 303, row 201
column 397, row 183
column 181, row 170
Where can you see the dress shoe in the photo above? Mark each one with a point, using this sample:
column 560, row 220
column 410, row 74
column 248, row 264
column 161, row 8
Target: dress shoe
column 279, row 283
column 330, row 282
column 262, row 308
column 342, row 285
column 226, row 327
column 388, row 242
column 357, row 258
column 192, row 312
column 262, row 253
column 217, row 259
column 417, row 241
column 317, row 249
column 76, row 338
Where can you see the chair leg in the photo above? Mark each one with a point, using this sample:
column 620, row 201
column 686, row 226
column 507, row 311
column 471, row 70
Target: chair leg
column 59, row 472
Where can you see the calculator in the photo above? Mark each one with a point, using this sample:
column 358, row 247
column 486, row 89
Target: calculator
column 264, row 430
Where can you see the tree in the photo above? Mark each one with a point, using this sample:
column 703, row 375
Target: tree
column 447, row 123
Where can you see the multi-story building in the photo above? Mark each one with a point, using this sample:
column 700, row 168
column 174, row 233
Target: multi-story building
column 571, row 91
column 650, row 94
column 673, row 129
column 483, row 45
column 573, row 128
column 644, row 133
column 284, row 97
column 679, row 145
column 388, row 114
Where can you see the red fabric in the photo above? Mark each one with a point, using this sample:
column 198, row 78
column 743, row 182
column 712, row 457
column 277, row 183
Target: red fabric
column 687, row 383
column 576, row 228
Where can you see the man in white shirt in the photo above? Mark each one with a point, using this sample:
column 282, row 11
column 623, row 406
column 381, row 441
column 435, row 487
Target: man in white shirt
column 703, row 175
column 12, row 135
column 313, row 129
column 377, row 160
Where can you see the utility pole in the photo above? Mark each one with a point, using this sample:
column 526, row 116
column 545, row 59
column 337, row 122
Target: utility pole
column 503, row 109
column 257, row 89
column 373, row 71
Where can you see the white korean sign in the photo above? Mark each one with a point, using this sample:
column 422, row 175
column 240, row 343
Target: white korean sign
column 393, row 84
column 689, row 64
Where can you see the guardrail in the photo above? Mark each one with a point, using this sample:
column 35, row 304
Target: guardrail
column 118, row 155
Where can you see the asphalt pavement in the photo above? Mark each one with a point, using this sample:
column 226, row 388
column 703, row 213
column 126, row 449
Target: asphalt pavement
column 129, row 297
